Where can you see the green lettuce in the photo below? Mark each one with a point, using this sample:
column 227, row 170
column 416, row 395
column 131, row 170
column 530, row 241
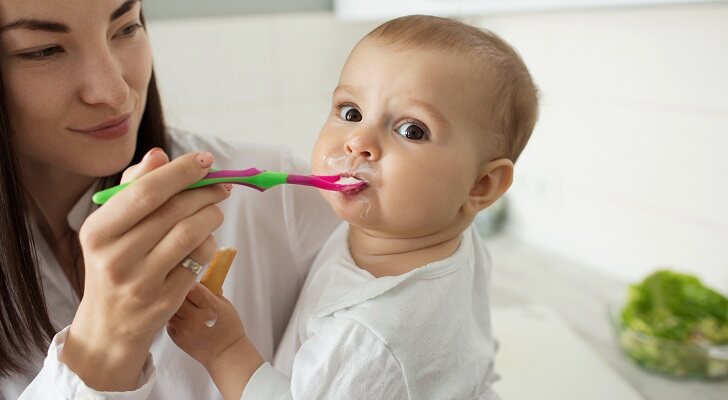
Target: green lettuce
column 669, row 321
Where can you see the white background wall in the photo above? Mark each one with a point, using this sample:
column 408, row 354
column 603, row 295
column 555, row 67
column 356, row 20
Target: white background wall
column 260, row 78
column 627, row 168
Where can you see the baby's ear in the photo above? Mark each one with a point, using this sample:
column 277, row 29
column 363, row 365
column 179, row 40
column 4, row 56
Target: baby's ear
column 494, row 178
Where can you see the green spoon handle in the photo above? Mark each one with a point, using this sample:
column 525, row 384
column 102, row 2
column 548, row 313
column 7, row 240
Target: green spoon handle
column 254, row 178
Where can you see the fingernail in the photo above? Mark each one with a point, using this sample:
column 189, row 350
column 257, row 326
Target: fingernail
column 228, row 186
column 150, row 152
column 204, row 159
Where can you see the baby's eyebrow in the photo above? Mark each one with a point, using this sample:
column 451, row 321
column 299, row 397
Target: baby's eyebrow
column 345, row 88
column 432, row 111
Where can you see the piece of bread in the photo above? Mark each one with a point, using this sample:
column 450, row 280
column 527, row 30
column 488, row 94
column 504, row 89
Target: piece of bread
column 217, row 270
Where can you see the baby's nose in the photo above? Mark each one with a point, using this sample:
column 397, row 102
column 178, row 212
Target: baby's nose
column 362, row 147
column 351, row 150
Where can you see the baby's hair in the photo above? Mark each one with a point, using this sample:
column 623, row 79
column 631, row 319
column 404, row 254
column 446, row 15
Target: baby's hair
column 510, row 98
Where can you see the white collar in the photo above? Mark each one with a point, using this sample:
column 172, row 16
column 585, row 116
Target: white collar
column 379, row 286
column 82, row 209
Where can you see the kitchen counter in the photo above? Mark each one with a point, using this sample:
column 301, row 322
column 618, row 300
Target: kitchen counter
column 524, row 275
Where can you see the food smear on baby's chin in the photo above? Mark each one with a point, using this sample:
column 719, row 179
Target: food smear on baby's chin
column 365, row 201
column 356, row 194
column 365, row 213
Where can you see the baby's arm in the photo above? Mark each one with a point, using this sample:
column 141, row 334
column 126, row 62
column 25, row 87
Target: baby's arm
column 208, row 328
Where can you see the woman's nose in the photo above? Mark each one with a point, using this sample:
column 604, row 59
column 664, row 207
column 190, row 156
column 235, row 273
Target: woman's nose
column 103, row 82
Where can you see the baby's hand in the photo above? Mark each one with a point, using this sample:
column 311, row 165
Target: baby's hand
column 205, row 326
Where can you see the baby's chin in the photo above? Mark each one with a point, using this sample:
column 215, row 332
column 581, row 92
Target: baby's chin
column 388, row 229
column 353, row 208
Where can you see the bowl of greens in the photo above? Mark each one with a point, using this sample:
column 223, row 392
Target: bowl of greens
column 672, row 324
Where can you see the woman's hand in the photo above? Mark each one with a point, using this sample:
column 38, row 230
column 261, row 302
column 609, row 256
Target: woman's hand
column 208, row 328
column 133, row 247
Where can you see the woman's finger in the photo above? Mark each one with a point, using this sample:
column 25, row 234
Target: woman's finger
column 181, row 275
column 184, row 239
column 144, row 196
column 154, row 159
column 204, row 252
column 147, row 233
column 180, row 280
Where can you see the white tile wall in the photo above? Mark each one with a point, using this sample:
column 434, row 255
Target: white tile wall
column 262, row 78
column 628, row 167
column 626, row 170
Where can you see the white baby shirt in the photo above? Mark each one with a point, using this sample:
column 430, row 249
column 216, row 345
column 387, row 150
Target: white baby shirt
column 422, row 335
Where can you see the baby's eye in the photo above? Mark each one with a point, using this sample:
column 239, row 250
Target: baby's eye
column 412, row 131
column 349, row 113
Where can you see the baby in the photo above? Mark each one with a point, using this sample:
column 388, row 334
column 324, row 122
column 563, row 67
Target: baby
column 432, row 114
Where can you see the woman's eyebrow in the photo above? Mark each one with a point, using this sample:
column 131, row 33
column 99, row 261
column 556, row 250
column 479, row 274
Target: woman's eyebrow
column 36, row 25
column 58, row 27
column 123, row 9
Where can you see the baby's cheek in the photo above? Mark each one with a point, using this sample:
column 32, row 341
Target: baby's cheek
column 318, row 162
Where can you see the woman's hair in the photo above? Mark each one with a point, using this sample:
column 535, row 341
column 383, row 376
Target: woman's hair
column 25, row 327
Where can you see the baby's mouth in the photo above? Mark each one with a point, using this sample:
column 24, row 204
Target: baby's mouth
column 358, row 184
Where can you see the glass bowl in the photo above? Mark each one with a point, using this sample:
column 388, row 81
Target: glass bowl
column 669, row 357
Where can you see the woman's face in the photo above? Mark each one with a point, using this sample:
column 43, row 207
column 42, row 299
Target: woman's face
column 75, row 76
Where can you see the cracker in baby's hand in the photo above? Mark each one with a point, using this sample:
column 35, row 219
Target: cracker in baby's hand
column 218, row 269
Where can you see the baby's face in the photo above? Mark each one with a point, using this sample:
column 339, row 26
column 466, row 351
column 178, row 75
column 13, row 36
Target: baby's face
column 406, row 122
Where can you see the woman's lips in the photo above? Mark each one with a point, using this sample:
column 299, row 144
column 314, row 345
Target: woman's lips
column 110, row 129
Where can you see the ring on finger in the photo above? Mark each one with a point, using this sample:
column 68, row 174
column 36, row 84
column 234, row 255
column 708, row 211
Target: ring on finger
column 192, row 266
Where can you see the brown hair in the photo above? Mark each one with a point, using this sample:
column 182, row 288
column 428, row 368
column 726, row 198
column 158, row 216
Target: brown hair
column 25, row 327
column 510, row 98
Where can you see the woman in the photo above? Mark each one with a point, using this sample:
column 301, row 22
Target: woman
column 78, row 105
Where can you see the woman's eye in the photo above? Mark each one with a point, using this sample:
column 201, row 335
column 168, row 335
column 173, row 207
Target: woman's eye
column 129, row 30
column 349, row 113
column 412, row 131
column 42, row 53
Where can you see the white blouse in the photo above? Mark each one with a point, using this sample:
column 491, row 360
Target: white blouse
column 277, row 234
